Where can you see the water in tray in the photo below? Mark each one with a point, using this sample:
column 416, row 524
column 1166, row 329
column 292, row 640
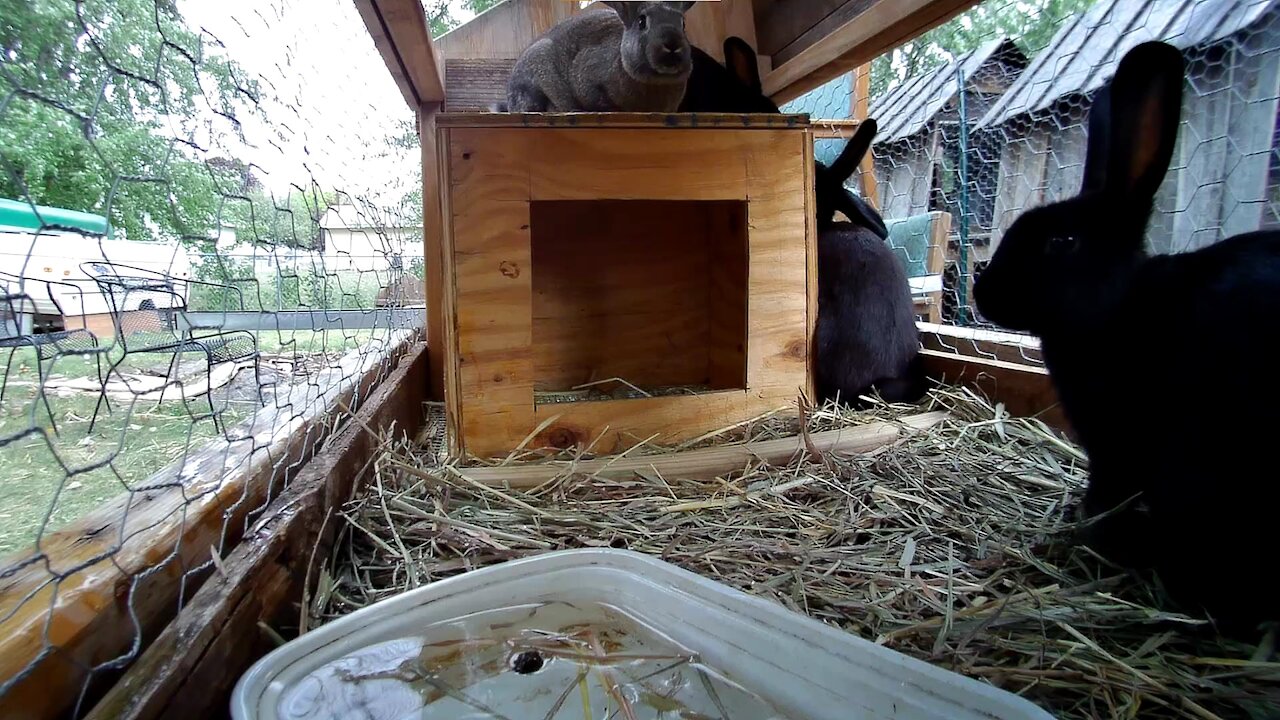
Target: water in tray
column 550, row 660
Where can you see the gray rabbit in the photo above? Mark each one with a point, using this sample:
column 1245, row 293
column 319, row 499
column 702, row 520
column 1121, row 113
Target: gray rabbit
column 866, row 338
column 629, row 57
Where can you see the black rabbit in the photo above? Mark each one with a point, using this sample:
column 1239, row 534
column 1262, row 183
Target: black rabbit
column 734, row 87
column 1157, row 360
column 866, row 338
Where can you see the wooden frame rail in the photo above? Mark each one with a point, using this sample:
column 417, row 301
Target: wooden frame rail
column 813, row 41
column 190, row 670
column 103, row 587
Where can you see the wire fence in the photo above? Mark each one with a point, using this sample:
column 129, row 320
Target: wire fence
column 987, row 115
column 179, row 183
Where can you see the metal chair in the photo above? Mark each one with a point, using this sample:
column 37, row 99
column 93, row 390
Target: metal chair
column 148, row 310
column 21, row 299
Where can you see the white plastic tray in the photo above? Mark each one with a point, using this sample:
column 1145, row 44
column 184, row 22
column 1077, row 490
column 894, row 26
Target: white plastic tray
column 446, row 650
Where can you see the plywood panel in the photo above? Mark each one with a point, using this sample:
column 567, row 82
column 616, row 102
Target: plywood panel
column 616, row 425
column 494, row 326
column 433, row 254
column 621, row 289
column 496, row 173
column 778, row 350
column 504, row 31
column 638, row 164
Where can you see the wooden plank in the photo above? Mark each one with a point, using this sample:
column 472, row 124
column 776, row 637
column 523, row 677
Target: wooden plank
column 709, row 462
column 691, row 121
column 880, row 26
column 190, row 668
column 834, row 20
column 504, row 31
column 786, row 20
column 138, row 552
column 493, row 168
column 402, row 36
column 620, row 289
column 1025, row 390
column 811, row 266
column 981, row 344
column 779, row 315
column 654, row 164
column 835, row 128
column 432, row 237
column 452, row 384
column 859, row 108
column 475, row 85
column 494, row 323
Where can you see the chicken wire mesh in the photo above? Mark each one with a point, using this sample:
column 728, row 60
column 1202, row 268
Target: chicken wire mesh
column 210, row 234
column 215, row 226
column 987, row 115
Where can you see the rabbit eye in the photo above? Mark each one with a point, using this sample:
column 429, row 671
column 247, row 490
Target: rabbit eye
column 1063, row 244
column 644, row 22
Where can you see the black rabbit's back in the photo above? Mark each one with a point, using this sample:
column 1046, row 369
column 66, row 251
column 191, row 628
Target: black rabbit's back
column 1175, row 394
column 866, row 329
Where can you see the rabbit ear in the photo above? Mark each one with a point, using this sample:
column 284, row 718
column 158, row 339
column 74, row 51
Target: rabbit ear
column 851, row 157
column 741, row 61
column 1097, row 155
column 626, row 10
column 683, row 7
column 861, row 213
column 1146, row 106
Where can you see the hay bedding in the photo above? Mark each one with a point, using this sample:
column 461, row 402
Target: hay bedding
column 949, row 545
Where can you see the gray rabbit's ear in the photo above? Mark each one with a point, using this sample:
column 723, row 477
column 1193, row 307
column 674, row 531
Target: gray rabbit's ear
column 1146, row 108
column 683, row 7
column 626, row 10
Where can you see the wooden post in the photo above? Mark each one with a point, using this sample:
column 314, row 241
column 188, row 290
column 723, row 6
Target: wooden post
column 433, row 260
column 859, row 106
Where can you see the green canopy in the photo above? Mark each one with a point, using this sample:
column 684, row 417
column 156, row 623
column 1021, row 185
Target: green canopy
column 21, row 215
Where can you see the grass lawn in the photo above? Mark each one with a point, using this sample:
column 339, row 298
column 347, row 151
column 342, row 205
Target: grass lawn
column 48, row 480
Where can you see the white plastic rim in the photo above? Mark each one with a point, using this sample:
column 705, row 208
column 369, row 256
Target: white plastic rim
column 806, row 669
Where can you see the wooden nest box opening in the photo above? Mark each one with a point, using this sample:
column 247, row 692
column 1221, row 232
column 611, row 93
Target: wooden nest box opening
column 609, row 278
column 652, row 292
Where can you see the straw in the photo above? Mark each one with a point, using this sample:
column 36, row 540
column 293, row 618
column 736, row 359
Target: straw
column 950, row 546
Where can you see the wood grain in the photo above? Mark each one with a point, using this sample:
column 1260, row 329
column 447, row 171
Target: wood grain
column 621, row 290
column 709, row 462
column 433, row 254
column 190, row 669
column 689, row 121
column 504, row 31
column 600, row 307
column 1025, row 390
column 880, row 26
column 401, row 34
column 493, row 274
column 784, row 21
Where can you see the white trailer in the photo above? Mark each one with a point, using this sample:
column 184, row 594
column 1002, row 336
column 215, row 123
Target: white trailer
column 49, row 259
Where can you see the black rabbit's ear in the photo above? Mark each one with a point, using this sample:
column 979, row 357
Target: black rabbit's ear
column 1097, row 155
column 861, row 213
column 851, row 157
column 742, row 63
column 1146, row 106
